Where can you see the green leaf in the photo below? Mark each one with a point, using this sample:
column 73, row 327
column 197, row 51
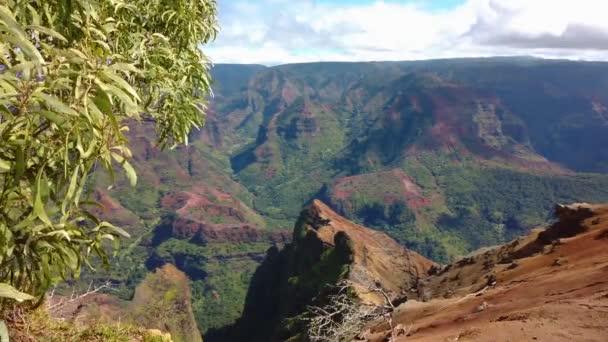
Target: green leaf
column 80, row 189
column 112, row 77
column 53, row 117
column 19, row 162
column 117, row 230
column 61, row 232
column 3, row 332
column 71, row 258
column 7, row 291
column 6, row 16
column 102, row 102
column 74, row 89
column 4, row 165
column 26, row 46
column 130, row 105
column 71, row 189
column 131, row 175
column 17, row 36
column 124, row 67
column 53, row 102
column 38, row 205
column 48, row 32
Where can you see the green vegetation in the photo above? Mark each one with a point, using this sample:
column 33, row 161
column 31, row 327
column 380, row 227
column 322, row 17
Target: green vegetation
column 75, row 77
column 162, row 301
column 487, row 205
column 220, row 298
column 295, row 162
column 293, row 133
column 219, row 274
column 36, row 324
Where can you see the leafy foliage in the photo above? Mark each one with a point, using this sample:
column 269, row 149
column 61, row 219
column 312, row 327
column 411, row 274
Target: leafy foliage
column 73, row 76
column 7, row 291
column 487, row 205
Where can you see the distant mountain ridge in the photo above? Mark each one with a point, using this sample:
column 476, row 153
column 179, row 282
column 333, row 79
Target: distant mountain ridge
column 296, row 130
column 524, row 92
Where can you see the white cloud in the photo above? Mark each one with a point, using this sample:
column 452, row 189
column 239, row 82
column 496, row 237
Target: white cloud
column 282, row 31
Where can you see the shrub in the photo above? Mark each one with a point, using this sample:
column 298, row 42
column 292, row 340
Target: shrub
column 73, row 76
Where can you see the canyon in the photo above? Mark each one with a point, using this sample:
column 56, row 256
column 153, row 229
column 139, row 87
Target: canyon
column 444, row 157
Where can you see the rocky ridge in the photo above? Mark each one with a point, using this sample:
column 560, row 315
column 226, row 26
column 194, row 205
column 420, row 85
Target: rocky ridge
column 374, row 256
column 326, row 250
column 550, row 285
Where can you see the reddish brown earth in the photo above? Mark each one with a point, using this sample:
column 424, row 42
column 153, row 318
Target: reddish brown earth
column 551, row 285
column 111, row 209
column 204, row 203
column 184, row 228
column 327, row 249
column 376, row 256
column 387, row 187
column 453, row 107
column 211, row 133
column 200, row 210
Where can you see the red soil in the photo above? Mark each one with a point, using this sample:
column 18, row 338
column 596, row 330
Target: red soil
column 551, row 292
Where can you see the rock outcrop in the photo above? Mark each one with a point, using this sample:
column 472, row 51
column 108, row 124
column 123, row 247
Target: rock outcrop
column 326, row 250
column 550, row 285
column 205, row 214
column 162, row 302
column 204, row 232
column 374, row 256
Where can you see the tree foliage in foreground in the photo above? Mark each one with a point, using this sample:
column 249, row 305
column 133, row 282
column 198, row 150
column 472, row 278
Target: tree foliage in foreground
column 73, row 74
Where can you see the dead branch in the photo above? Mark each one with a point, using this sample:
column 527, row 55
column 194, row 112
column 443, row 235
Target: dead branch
column 344, row 316
column 54, row 307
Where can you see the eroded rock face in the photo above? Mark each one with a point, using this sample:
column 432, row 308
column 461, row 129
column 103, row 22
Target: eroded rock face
column 375, row 257
column 205, row 214
column 326, row 250
column 477, row 270
column 111, row 209
column 184, row 228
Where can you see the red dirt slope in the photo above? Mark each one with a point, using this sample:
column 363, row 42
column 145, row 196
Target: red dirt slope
column 376, row 256
column 551, row 285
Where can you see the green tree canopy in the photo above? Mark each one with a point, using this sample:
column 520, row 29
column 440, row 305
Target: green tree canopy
column 73, row 74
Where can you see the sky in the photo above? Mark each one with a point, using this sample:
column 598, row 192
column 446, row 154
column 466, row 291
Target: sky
column 275, row 32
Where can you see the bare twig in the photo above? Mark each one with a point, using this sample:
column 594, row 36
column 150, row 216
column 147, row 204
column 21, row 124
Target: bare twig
column 465, row 298
column 344, row 316
column 53, row 307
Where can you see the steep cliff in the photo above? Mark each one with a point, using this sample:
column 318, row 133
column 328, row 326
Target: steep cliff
column 326, row 249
